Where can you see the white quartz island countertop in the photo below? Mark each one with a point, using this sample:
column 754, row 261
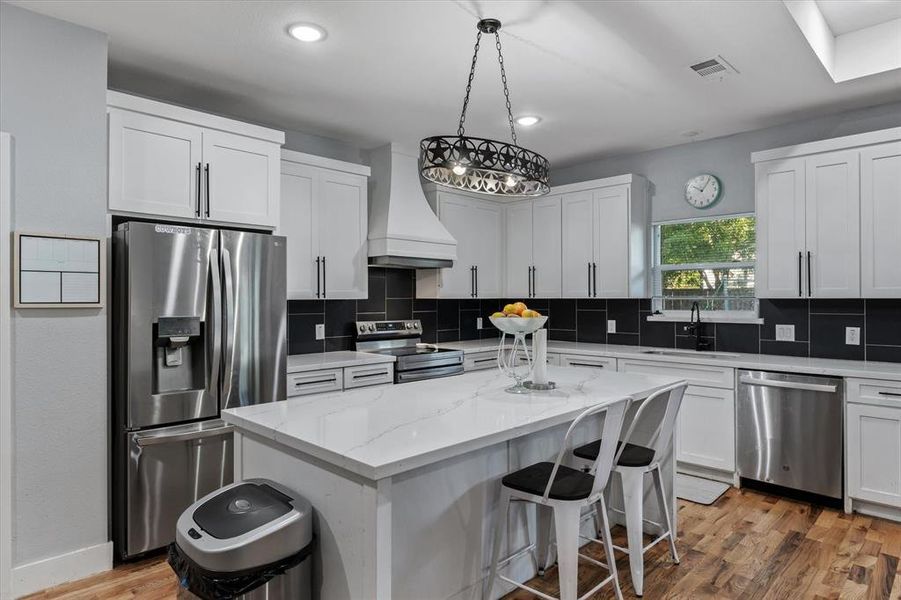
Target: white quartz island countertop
column 298, row 363
column 381, row 431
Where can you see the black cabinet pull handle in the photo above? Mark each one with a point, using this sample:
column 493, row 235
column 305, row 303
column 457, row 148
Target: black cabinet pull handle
column 197, row 210
column 809, row 288
column 589, row 280
column 595, row 268
column 317, row 277
column 529, row 281
column 207, row 173
column 477, row 281
column 472, row 281
column 800, row 268
column 324, row 287
column 890, row 394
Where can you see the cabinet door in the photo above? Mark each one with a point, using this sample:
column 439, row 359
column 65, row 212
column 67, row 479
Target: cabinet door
column 707, row 428
column 874, row 453
column 780, row 229
column 578, row 238
column 611, row 242
column 487, row 223
column 880, row 221
column 343, row 227
column 153, row 165
column 833, row 224
column 243, row 179
column 518, row 225
column 547, row 247
column 297, row 222
column 454, row 213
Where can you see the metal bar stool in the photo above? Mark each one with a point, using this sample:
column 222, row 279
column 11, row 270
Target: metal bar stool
column 633, row 463
column 564, row 491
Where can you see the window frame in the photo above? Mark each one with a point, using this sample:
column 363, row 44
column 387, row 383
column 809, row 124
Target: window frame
column 658, row 269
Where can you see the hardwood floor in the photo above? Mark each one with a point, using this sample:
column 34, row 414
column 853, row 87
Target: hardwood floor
column 748, row 545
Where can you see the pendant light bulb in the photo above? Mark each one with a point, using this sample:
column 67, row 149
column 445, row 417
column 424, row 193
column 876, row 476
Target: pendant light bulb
column 511, row 181
column 459, row 169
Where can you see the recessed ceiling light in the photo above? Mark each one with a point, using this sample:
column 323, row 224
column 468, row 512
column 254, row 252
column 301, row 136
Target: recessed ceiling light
column 527, row 120
column 307, row 32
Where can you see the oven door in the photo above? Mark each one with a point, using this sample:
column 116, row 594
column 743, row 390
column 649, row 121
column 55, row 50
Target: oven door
column 169, row 468
column 430, row 373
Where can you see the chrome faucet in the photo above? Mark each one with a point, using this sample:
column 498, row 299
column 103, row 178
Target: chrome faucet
column 695, row 328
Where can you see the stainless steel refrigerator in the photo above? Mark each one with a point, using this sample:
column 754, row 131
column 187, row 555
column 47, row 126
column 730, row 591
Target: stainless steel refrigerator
column 199, row 324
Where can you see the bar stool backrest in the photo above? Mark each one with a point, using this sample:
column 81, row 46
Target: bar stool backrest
column 663, row 432
column 614, row 415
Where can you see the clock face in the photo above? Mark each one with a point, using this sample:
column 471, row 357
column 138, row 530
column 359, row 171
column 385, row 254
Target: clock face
column 703, row 190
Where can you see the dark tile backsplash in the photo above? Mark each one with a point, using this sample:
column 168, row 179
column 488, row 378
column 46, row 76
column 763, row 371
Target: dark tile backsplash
column 819, row 323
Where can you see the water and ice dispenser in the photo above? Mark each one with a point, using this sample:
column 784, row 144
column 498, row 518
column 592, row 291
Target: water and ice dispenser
column 180, row 351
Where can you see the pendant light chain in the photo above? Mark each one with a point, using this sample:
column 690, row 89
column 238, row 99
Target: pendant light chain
column 500, row 59
column 472, row 73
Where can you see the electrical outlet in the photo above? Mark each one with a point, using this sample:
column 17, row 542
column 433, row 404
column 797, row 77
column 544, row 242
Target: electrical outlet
column 611, row 325
column 785, row 333
column 852, row 336
column 320, row 331
column 478, row 322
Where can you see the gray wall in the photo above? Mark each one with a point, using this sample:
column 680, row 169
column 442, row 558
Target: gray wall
column 729, row 158
column 52, row 101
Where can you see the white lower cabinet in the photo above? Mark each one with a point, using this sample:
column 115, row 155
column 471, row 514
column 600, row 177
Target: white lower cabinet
column 476, row 361
column 338, row 379
column 580, row 360
column 706, row 428
column 873, row 438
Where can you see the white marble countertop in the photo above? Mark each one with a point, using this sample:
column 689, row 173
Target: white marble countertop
column 761, row 362
column 298, row 363
column 381, row 431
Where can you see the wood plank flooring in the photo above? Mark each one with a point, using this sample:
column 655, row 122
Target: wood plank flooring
column 747, row 545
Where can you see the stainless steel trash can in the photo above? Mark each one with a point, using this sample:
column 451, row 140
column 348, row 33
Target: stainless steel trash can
column 251, row 540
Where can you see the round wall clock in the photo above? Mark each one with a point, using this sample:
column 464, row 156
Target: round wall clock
column 702, row 191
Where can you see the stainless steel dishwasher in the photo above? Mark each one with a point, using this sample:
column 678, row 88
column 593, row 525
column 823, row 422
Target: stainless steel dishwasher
column 789, row 431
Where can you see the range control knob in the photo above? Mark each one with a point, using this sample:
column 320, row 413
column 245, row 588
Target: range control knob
column 409, row 325
column 371, row 327
column 362, row 328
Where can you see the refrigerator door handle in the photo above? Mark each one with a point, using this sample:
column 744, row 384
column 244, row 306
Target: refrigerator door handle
column 228, row 335
column 215, row 322
column 153, row 440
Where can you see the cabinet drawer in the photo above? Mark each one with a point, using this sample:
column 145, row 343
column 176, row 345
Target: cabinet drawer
column 315, row 382
column 364, row 375
column 705, row 375
column 879, row 392
column 480, row 360
column 578, row 360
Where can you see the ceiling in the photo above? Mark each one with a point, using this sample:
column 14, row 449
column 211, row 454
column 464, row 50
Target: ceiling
column 606, row 77
column 845, row 16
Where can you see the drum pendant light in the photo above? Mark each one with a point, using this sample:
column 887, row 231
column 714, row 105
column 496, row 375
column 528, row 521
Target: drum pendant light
column 481, row 165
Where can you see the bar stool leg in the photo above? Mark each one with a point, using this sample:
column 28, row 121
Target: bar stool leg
column 608, row 545
column 502, row 507
column 664, row 506
column 544, row 521
column 633, row 504
column 566, row 524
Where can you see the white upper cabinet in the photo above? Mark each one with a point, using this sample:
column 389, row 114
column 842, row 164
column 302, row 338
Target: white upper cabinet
column 827, row 218
column 324, row 216
column 880, row 220
column 780, row 229
column 605, row 238
column 478, row 227
column 154, row 165
column 533, row 232
column 242, row 179
column 167, row 161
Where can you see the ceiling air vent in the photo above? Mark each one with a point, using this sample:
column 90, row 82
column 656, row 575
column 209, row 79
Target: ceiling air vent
column 715, row 68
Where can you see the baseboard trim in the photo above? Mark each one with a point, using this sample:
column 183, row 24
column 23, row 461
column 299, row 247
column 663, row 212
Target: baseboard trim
column 48, row 572
column 727, row 477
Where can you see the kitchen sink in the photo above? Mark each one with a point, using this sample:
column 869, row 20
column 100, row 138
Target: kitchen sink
column 690, row 353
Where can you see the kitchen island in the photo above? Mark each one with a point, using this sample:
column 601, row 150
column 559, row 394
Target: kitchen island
column 405, row 478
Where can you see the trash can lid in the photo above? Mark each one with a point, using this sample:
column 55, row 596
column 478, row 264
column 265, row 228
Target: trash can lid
column 240, row 509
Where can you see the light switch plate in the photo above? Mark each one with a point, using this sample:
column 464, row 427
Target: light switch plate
column 320, row 331
column 785, row 333
column 852, row 336
column 611, row 325
column 478, row 322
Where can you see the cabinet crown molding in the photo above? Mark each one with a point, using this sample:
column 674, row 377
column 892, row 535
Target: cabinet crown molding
column 313, row 160
column 592, row 184
column 840, row 143
column 193, row 117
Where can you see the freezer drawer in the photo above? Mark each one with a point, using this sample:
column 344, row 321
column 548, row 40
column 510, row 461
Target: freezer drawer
column 789, row 431
column 168, row 469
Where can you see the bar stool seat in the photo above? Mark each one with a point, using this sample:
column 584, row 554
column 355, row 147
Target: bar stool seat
column 631, row 456
column 569, row 483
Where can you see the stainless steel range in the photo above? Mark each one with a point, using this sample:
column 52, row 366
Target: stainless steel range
column 402, row 339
